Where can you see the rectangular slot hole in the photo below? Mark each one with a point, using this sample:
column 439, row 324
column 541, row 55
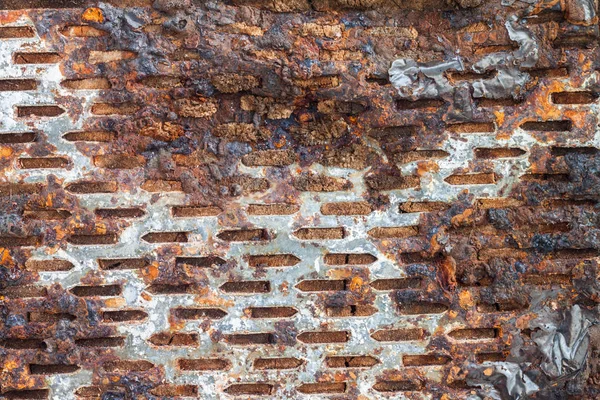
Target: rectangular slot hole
column 471, row 76
column 534, row 177
column 124, row 316
column 174, row 339
column 549, row 73
column 392, row 182
column 574, row 97
column 96, row 392
column 272, row 312
column 246, row 287
column 499, row 152
column 87, row 84
column 321, row 285
column 16, row 32
column 546, row 279
column 46, row 215
column 273, row 209
column 421, row 360
column 50, row 318
column 494, row 48
column 161, row 81
column 201, row 262
column 322, row 388
column 92, row 187
column 119, row 212
column 472, row 179
column 114, row 109
column 563, row 151
column 475, row 333
column 195, row 211
column 27, row 394
column 324, row 337
column 547, row 126
column 273, row 260
column 399, row 335
column 122, row 263
column 17, row 137
column 346, row 208
column 52, row 369
column 43, row 162
column 198, row 313
column 491, row 357
column 575, row 41
column 568, row 254
column 415, row 258
column 36, row 58
column 269, row 158
column 506, row 306
column 320, row 233
column 545, row 17
column 379, row 80
column 393, row 232
column 248, row 339
column 98, row 57
column 244, row 235
column 88, row 240
column 19, row 241
column 321, row 183
column 403, row 105
column 127, row 366
column 350, row 311
column 396, row 386
column 277, row 363
column 350, row 361
column 349, row 259
column 423, row 206
column 485, row 204
column 96, row 291
column 23, row 344
column 15, row 85
column 405, row 157
column 204, row 364
column 39, row 111
column 89, row 136
column 249, row 389
column 166, row 237
column 48, row 265
column 175, row 391
column 422, row 308
column 318, row 82
column 472, row 127
column 163, row 288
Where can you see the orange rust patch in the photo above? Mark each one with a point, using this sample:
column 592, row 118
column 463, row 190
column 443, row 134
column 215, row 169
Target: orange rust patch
column 93, row 14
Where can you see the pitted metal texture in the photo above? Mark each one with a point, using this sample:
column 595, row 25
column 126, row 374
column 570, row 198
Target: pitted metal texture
column 299, row 199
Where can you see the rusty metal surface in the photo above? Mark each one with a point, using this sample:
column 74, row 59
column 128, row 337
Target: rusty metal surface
column 353, row 199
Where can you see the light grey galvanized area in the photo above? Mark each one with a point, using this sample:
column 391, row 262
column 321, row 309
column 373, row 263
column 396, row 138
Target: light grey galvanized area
column 299, row 199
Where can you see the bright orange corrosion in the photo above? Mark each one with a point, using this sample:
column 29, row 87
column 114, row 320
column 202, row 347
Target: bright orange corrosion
column 93, row 14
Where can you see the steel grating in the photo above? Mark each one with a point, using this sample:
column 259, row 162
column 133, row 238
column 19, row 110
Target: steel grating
column 351, row 199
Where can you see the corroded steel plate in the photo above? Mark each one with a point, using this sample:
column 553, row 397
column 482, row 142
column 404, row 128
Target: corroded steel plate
column 350, row 199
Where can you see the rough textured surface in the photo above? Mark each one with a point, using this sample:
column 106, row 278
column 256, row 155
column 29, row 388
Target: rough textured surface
column 352, row 199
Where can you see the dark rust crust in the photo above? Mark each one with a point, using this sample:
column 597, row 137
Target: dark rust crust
column 192, row 95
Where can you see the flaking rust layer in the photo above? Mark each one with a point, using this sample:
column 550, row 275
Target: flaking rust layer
column 351, row 199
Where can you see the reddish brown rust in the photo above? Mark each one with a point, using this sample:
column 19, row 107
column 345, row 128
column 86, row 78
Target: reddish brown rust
column 207, row 140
